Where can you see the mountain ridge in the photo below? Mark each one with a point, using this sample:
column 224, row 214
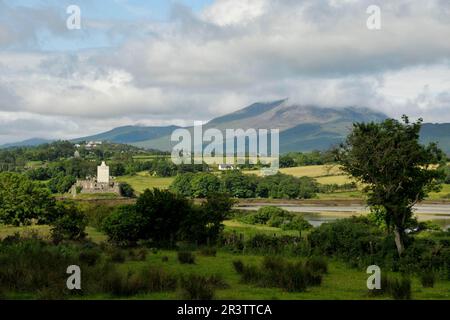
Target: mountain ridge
column 302, row 127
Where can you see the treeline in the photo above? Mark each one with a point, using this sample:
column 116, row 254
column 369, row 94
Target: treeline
column 297, row 159
column 240, row 185
column 162, row 218
column 159, row 166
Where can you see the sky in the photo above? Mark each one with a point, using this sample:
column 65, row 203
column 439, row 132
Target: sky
column 156, row 62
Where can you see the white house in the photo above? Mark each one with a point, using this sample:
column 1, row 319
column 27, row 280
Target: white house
column 225, row 167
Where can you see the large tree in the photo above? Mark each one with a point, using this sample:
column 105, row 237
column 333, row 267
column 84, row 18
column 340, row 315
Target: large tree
column 396, row 170
column 23, row 200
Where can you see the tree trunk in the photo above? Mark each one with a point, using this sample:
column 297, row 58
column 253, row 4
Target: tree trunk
column 399, row 240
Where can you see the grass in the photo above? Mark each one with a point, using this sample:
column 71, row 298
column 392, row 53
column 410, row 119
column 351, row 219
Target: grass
column 250, row 230
column 44, row 232
column 313, row 171
column 143, row 180
column 443, row 194
column 341, row 282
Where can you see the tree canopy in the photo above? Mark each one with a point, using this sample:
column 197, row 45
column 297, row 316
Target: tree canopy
column 395, row 168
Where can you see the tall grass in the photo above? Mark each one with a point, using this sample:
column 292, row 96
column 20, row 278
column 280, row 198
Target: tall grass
column 278, row 272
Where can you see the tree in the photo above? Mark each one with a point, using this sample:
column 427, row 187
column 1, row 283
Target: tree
column 203, row 224
column 22, row 200
column 70, row 224
column 126, row 190
column 394, row 167
column 203, row 184
column 61, row 183
column 182, row 184
column 239, row 185
column 125, row 225
column 164, row 212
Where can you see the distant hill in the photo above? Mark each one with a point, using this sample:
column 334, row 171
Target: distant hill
column 302, row 127
column 130, row 134
column 26, row 143
column 437, row 132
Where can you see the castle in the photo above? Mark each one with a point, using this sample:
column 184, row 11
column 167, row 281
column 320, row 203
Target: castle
column 101, row 184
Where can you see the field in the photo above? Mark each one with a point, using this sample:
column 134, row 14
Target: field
column 323, row 174
column 341, row 282
column 143, row 180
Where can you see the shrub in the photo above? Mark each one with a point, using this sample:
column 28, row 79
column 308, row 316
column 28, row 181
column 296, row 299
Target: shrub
column 277, row 272
column 165, row 259
column 70, row 224
column 353, row 239
column 124, row 225
column 317, row 264
column 208, row 251
column 140, row 282
column 297, row 223
column 400, row 288
column 96, row 214
column 427, row 279
column 279, row 218
column 137, row 255
column 294, row 278
column 90, row 256
column 238, row 266
column 117, row 255
column 126, row 190
column 186, row 257
column 195, row 287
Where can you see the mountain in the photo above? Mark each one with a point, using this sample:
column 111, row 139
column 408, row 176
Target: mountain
column 130, row 134
column 302, row 128
column 26, row 143
column 437, row 132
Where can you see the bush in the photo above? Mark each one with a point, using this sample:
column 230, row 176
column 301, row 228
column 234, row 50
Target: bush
column 277, row 272
column 117, row 255
column 125, row 225
column 238, row 266
column 297, row 223
column 195, row 287
column 317, row 264
column 141, row 282
column 354, row 239
column 126, row 190
column 208, row 251
column 96, row 214
column 186, row 257
column 70, row 224
column 90, row 256
column 137, row 255
column 427, row 279
column 400, row 288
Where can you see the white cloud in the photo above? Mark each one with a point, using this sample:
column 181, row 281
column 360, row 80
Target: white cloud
column 233, row 12
column 234, row 53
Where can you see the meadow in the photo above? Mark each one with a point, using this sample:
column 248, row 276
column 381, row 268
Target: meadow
column 323, row 174
column 144, row 180
column 341, row 282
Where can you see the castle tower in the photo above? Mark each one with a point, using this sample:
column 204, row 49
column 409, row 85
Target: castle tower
column 103, row 173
